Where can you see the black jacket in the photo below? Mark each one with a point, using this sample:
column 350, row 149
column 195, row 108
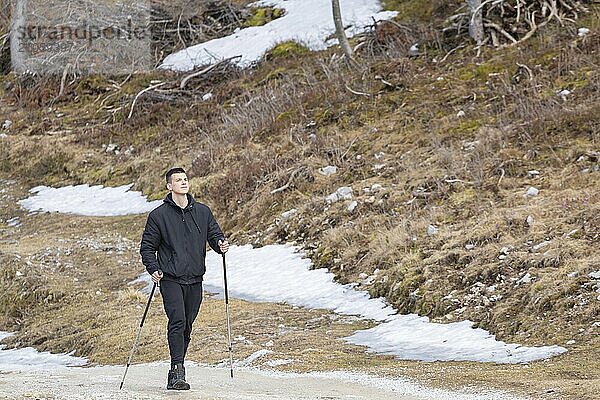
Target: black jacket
column 179, row 237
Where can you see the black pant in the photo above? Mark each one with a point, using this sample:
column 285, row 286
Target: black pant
column 182, row 303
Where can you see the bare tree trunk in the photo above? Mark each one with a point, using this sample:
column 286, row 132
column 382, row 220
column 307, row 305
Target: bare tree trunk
column 339, row 30
column 476, row 30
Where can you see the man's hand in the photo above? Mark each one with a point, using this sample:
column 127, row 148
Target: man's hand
column 156, row 276
column 224, row 246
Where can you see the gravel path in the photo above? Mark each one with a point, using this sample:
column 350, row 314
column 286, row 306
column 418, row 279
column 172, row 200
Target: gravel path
column 147, row 381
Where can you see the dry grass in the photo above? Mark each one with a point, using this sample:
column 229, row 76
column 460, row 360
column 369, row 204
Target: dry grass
column 275, row 125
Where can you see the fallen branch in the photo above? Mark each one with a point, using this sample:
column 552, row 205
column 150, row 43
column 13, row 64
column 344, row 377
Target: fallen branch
column 141, row 93
column 452, row 51
column 289, row 182
column 451, row 181
column 185, row 80
column 357, row 93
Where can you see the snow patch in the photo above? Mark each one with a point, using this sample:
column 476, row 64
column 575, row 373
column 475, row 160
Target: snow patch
column 252, row 357
column 308, row 22
column 89, row 200
column 280, row 273
column 29, row 358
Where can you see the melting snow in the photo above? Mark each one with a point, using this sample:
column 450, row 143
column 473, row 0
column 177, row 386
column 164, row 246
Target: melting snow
column 29, row 358
column 89, row 200
column 308, row 22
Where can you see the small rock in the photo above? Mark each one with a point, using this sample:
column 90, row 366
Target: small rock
column 352, row 206
column 18, row 273
column 582, row 31
column 112, row 147
column 7, row 124
column 432, row 230
column 529, row 220
column 312, row 137
column 207, row 97
column 470, row 146
column 343, row 193
column 460, row 114
column 377, row 167
column 376, row 187
column 595, row 275
column 469, row 246
column 328, row 170
column 563, row 93
column 370, row 200
column 533, row 173
column 269, row 343
column 573, row 274
column 527, row 278
column 570, row 342
column 532, row 191
column 414, row 50
column 379, row 156
column 288, row 214
column 502, row 257
column 505, row 250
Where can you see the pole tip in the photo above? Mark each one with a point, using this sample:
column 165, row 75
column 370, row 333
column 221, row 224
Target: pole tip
column 121, row 386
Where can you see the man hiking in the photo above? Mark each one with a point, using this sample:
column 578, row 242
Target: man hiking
column 173, row 250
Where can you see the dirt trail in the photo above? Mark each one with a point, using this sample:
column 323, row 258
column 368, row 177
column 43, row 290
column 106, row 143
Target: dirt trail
column 147, row 381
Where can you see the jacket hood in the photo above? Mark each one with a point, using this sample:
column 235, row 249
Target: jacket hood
column 169, row 200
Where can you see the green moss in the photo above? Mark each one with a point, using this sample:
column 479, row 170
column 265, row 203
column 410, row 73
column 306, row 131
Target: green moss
column 480, row 72
column 484, row 70
column 283, row 116
column 465, row 127
column 92, row 84
column 277, row 73
column 285, row 49
column 411, row 10
column 263, row 15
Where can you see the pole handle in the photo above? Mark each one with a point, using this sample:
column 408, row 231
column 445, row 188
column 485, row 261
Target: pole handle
column 148, row 304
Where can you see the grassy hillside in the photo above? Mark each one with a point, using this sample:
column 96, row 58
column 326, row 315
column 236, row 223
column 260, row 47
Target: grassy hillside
column 439, row 150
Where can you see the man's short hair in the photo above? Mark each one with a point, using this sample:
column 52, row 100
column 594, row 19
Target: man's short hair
column 172, row 171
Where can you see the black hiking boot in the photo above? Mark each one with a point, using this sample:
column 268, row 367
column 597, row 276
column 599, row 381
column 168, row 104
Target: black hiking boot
column 176, row 379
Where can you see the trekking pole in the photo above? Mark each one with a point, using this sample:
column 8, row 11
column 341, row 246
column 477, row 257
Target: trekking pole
column 227, row 315
column 138, row 334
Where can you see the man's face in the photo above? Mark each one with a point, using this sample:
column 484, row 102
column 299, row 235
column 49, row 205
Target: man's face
column 179, row 183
